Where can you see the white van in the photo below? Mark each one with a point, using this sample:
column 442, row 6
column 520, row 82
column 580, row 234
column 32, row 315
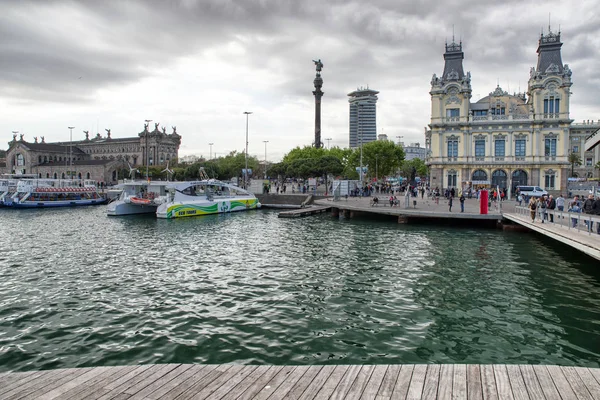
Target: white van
column 529, row 191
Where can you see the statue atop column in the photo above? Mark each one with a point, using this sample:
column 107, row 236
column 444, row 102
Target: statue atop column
column 319, row 66
column 87, row 135
column 107, row 133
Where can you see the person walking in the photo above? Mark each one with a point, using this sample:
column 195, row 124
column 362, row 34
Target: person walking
column 462, row 202
column 588, row 205
column 551, row 207
column 560, row 203
column 450, row 204
column 596, row 211
column 574, row 207
column 542, row 207
column 532, row 208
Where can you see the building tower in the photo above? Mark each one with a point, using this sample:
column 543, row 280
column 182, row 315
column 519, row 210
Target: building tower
column 363, row 116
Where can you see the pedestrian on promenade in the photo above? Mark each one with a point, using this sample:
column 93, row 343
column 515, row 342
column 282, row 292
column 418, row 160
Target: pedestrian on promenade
column 588, row 205
column 462, row 202
column 560, row 203
column 551, row 207
column 542, row 207
column 596, row 211
column 450, row 204
column 574, row 207
column 532, row 208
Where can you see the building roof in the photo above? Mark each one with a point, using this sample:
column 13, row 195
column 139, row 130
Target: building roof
column 80, row 162
column 51, row 147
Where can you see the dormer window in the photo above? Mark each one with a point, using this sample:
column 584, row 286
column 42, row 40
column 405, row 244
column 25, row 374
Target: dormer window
column 551, row 105
column 498, row 110
column 452, row 112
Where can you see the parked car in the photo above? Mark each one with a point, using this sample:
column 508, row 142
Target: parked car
column 529, row 191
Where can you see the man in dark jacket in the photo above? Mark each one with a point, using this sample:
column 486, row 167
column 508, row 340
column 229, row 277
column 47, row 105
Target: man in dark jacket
column 587, row 207
column 551, row 206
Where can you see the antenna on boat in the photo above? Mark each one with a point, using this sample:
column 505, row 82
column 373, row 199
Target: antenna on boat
column 168, row 171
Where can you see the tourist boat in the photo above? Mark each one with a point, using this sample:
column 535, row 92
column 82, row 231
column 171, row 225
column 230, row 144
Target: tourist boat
column 39, row 193
column 139, row 197
column 208, row 196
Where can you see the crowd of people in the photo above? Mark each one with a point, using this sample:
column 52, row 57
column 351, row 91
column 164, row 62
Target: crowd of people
column 543, row 207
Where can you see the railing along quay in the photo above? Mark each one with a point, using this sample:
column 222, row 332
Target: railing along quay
column 227, row 381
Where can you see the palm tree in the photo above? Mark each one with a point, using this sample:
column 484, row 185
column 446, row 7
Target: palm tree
column 574, row 158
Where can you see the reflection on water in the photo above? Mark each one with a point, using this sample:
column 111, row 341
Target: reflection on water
column 80, row 289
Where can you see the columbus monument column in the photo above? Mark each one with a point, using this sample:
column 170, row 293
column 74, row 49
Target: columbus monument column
column 318, row 94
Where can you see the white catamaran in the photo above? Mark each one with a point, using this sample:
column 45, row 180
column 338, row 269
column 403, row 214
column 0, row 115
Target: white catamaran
column 139, row 197
column 207, row 196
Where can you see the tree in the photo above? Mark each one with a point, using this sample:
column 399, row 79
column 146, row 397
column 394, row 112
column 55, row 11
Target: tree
column 574, row 158
column 383, row 158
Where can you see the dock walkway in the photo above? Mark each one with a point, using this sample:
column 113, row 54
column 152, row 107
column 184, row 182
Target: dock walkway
column 302, row 212
column 227, row 381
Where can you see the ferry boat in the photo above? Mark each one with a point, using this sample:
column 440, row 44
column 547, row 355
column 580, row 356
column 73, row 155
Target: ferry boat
column 139, row 197
column 39, row 193
column 207, row 196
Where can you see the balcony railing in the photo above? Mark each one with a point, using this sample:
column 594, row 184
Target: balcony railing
column 493, row 159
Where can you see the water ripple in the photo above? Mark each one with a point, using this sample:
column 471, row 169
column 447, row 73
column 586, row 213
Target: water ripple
column 80, row 289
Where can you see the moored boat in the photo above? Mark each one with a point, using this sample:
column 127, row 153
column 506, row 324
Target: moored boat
column 139, row 197
column 41, row 193
column 208, row 196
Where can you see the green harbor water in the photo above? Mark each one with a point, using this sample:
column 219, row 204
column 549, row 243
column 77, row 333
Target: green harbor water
column 78, row 288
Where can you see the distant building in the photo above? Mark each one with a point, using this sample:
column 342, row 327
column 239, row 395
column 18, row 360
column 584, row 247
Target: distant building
column 415, row 151
column 98, row 158
column 579, row 132
column 363, row 116
column 382, row 137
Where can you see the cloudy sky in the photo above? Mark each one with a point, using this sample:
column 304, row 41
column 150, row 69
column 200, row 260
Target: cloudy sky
column 199, row 64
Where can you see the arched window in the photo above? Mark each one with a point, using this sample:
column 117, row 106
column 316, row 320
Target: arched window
column 55, row 176
column 479, row 175
column 63, row 176
column 79, row 175
column 519, row 178
column 48, row 175
column 87, row 176
column 20, row 160
column 499, row 179
column 40, row 160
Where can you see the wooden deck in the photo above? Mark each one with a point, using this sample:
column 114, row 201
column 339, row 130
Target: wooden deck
column 187, row 381
column 580, row 240
column 302, row 212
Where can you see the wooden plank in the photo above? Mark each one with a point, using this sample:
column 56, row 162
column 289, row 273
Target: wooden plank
column 516, row 382
column 389, row 382
column 11, row 377
column 246, row 383
column 360, row 382
column 97, row 383
column 260, row 383
column 546, row 383
column 212, row 381
column 432, row 380
column 72, row 383
column 446, row 379
column 531, row 383
column 288, row 383
column 576, row 383
column 590, row 382
column 22, row 378
column 403, row 382
column 332, row 382
column 158, row 374
column 317, row 383
column 130, row 380
column 162, row 381
column 180, row 380
column 288, row 372
column 417, row 381
column 220, row 386
column 502, row 382
column 561, row 383
column 111, row 384
column 488, row 382
column 296, row 391
column 196, row 382
column 346, row 383
column 459, row 382
column 374, row 382
column 596, row 373
column 474, row 387
column 41, row 386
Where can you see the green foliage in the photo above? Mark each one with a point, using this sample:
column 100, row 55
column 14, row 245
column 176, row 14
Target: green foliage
column 310, row 162
column 223, row 168
column 574, row 159
column 382, row 157
column 407, row 166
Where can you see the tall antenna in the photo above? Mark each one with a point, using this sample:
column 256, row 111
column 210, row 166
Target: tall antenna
column 452, row 33
column 548, row 22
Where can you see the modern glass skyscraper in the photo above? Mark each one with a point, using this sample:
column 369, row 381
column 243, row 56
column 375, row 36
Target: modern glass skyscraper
column 363, row 116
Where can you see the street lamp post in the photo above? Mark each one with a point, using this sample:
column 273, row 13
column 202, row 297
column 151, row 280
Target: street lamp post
column 246, row 170
column 210, row 154
column 328, row 144
column 71, row 151
column 265, row 142
column 359, row 127
column 376, row 175
column 148, row 123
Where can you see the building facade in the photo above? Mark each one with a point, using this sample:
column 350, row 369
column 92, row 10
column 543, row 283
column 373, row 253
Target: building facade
column 579, row 132
column 98, row 158
column 363, row 116
column 414, row 151
column 501, row 140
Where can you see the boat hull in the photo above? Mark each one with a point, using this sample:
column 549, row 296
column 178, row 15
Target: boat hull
column 65, row 203
column 119, row 207
column 173, row 210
